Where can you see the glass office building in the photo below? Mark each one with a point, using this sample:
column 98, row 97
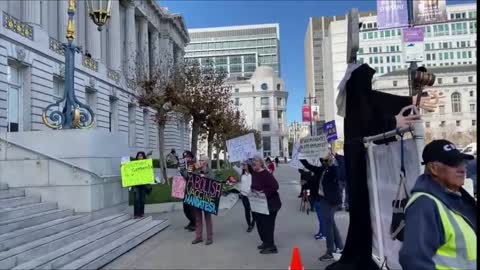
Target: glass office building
column 238, row 50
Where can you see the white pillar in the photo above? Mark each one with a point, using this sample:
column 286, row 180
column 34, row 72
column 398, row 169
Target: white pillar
column 155, row 52
column 143, row 48
column 44, row 14
column 62, row 20
column 131, row 41
column 114, row 37
column 31, row 11
column 94, row 44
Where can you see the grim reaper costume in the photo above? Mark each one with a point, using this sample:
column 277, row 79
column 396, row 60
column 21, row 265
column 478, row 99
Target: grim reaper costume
column 366, row 112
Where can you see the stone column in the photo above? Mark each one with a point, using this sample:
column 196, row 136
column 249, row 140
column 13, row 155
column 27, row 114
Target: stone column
column 143, row 48
column 131, row 42
column 62, row 20
column 114, row 37
column 32, row 11
column 155, row 52
column 44, row 14
column 94, row 45
column 166, row 50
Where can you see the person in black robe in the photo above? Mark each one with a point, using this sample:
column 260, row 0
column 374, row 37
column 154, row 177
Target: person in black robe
column 367, row 113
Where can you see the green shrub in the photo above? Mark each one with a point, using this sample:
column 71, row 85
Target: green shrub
column 214, row 164
column 156, row 163
column 161, row 193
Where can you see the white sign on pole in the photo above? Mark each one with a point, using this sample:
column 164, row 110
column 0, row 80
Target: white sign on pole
column 313, row 147
column 258, row 202
column 241, row 148
column 295, row 162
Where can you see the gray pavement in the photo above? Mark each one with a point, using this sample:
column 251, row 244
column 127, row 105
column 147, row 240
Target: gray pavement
column 233, row 247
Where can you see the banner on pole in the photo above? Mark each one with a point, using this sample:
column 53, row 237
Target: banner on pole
column 413, row 46
column 315, row 113
column 203, row 193
column 178, row 187
column 330, row 130
column 314, row 147
column 429, row 11
column 392, row 13
column 241, row 148
column 138, row 172
column 306, row 113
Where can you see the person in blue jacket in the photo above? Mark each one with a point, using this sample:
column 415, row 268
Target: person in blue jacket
column 441, row 219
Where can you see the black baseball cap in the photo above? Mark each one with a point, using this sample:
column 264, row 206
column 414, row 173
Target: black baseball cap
column 445, row 152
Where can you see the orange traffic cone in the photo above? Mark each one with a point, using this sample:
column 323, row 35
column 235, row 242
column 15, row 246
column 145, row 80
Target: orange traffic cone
column 296, row 262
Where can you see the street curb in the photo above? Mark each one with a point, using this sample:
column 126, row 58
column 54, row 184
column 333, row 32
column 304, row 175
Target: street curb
column 226, row 203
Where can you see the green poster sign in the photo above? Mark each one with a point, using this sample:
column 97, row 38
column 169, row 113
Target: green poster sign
column 138, row 172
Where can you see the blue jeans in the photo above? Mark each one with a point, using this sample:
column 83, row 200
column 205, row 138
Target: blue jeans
column 334, row 240
column 321, row 220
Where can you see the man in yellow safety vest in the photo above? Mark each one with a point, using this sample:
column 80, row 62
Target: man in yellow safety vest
column 441, row 219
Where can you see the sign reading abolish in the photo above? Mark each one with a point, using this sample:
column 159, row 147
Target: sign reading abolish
column 313, row 147
column 241, row 148
column 203, row 193
column 138, row 172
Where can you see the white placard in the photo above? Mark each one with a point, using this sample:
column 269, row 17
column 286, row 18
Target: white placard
column 258, row 202
column 295, row 162
column 414, row 51
column 241, row 148
column 313, row 147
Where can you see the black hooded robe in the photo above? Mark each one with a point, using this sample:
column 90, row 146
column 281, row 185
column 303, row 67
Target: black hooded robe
column 368, row 113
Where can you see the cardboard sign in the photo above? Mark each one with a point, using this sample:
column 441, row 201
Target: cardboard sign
column 258, row 203
column 313, row 147
column 138, row 172
column 203, row 193
column 330, row 130
column 241, row 148
column 178, row 187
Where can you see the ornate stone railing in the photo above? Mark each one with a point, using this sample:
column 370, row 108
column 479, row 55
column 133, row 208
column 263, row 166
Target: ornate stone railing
column 113, row 75
column 13, row 24
column 56, row 46
column 89, row 63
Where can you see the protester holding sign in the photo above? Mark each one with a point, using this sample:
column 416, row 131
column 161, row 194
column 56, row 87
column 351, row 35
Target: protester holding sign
column 186, row 167
column 264, row 182
column 245, row 186
column 139, row 193
column 203, row 171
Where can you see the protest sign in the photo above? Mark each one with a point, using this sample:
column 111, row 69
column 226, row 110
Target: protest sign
column 392, row 13
column 138, row 172
column 241, row 148
column 295, row 162
column 178, row 187
column 313, row 147
column 258, row 203
column 330, row 130
column 203, row 193
column 426, row 12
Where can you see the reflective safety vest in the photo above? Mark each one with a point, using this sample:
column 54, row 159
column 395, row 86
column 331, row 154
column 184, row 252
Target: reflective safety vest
column 460, row 248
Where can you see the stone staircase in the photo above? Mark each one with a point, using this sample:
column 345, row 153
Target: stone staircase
column 38, row 235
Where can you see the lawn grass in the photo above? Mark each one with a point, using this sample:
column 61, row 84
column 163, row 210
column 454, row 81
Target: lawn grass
column 161, row 193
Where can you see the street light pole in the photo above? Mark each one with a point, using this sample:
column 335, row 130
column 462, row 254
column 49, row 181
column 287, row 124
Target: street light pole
column 74, row 114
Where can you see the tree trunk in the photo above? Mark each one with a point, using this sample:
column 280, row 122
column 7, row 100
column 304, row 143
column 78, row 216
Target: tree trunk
column 218, row 158
column 161, row 150
column 195, row 132
column 210, row 137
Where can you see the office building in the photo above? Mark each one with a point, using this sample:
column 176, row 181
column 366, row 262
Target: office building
column 456, row 117
column 238, row 50
column 450, row 43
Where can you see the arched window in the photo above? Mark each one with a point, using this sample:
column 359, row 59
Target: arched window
column 456, row 102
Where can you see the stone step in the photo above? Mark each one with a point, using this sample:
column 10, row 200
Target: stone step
column 11, row 193
column 3, row 186
column 32, row 220
column 102, row 256
column 30, row 234
column 43, row 246
column 18, row 201
column 69, row 253
column 25, row 210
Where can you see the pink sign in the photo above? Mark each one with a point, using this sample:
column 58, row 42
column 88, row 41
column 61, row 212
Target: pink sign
column 413, row 34
column 178, row 187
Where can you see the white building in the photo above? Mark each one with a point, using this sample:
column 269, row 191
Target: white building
column 446, row 44
column 456, row 118
column 298, row 130
column 263, row 100
column 238, row 50
column 139, row 36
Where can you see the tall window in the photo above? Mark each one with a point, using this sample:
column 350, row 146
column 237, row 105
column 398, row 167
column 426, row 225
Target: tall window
column 13, row 99
column 237, row 101
column 266, row 127
column 146, row 127
column 265, row 114
column 266, row 142
column 456, row 102
column 264, row 101
column 112, row 115
column 91, row 98
column 441, row 109
column 131, row 125
column 472, row 107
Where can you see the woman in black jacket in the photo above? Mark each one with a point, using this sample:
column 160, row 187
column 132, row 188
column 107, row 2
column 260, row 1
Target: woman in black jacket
column 139, row 193
column 326, row 191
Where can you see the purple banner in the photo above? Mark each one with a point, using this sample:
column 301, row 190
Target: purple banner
column 429, row 11
column 392, row 13
column 413, row 34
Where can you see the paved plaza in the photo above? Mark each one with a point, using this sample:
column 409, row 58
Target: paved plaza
column 233, row 247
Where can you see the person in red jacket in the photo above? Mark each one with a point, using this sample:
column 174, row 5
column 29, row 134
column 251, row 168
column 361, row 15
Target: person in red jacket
column 270, row 165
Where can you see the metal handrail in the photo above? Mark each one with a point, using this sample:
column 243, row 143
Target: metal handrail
column 387, row 134
column 58, row 159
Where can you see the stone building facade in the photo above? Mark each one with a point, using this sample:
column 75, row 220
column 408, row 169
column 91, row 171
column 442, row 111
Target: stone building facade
column 141, row 38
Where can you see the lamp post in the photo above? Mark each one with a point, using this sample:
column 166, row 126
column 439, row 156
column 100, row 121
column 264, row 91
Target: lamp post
column 310, row 104
column 75, row 114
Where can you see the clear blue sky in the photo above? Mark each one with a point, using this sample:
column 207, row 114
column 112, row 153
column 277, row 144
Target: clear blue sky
column 292, row 17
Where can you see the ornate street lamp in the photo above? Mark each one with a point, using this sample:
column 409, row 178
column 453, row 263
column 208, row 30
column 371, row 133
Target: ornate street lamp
column 75, row 114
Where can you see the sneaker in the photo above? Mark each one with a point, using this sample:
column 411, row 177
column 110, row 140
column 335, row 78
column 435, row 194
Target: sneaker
column 196, row 241
column 270, row 250
column 262, row 246
column 320, row 237
column 326, row 257
column 190, row 228
column 339, row 251
column 209, row 242
column 250, row 229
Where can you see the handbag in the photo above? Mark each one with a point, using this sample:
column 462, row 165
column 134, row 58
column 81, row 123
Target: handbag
column 398, row 205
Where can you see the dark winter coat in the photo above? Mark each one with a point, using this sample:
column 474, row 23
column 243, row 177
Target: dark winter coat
column 266, row 182
column 330, row 186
